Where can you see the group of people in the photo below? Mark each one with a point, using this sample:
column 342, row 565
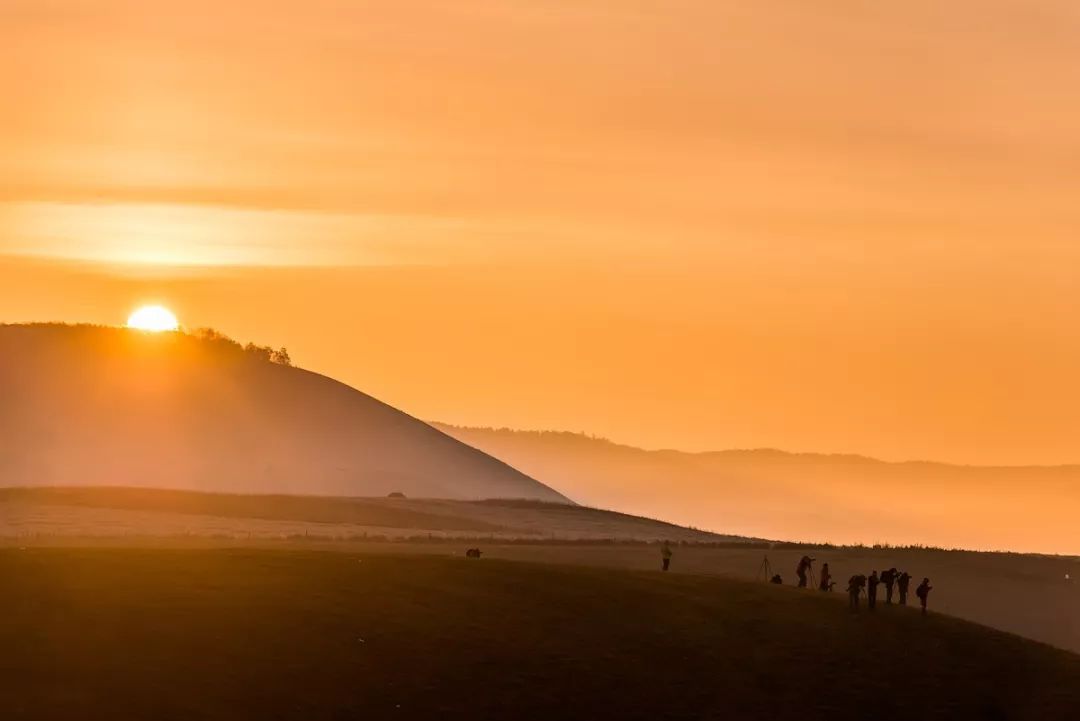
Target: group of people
column 892, row 579
column 889, row 578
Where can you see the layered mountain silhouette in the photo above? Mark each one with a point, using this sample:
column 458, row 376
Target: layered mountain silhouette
column 806, row 496
column 92, row 406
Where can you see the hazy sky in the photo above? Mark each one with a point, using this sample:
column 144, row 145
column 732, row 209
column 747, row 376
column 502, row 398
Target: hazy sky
column 700, row 223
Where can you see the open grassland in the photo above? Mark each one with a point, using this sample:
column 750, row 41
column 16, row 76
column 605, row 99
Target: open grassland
column 128, row 512
column 1024, row 594
column 259, row 634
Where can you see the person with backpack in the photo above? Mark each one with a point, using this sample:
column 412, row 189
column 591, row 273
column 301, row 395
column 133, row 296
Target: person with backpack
column 902, row 583
column 854, row 589
column 923, row 592
column 871, row 590
column 665, row 556
column 888, row 578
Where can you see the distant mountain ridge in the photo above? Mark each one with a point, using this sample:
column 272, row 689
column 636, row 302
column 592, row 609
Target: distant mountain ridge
column 764, row 451
column 840, row 498
column 92, row 406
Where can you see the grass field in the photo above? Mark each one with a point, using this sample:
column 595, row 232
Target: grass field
column 118, row 512
column 256, row 634
column 1024, row 594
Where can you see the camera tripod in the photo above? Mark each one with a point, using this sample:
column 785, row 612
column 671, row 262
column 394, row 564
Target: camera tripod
column 765, row 569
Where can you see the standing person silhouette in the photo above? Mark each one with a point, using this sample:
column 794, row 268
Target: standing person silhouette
column 871, row 590
column 854, row 589
column 826, row 578
column 923, row 592
column 902, row 583
column 665, row 555
column 804, row 565
column 888, row 578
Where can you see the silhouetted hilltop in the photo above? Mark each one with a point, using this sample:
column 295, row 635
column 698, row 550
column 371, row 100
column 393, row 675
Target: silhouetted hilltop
column 82, row 405
column 821, row 497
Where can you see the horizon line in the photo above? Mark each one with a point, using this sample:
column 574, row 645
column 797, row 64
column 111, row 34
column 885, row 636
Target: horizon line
column 759, row 449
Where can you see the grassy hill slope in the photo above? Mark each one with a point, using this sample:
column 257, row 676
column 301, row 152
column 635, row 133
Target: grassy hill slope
column 126, row 634
column 83, row 405
column 84, row 512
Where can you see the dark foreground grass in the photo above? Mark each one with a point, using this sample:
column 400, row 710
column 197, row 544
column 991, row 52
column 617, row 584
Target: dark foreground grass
column 245, row 634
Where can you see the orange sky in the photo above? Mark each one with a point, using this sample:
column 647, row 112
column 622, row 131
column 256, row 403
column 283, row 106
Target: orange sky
column 698, row 223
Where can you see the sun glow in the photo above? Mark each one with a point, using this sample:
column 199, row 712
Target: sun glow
column 153, row 319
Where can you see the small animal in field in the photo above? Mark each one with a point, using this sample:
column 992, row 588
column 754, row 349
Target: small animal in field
column 472, row 553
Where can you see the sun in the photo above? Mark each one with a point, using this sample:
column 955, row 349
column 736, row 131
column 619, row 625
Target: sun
column 153, row 319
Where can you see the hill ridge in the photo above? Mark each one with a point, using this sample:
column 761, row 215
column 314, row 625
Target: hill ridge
column 758, row 450
column 840, row 499
column 98, row 405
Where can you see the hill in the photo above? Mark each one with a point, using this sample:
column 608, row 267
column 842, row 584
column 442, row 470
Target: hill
column 90, row 512
column 138, row 634
column 85, row 405
column 1033, row 596
column 836, row 498
column 1037, row 597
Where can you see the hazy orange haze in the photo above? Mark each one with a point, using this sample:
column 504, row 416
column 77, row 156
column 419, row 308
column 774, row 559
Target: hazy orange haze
column 698, row 224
